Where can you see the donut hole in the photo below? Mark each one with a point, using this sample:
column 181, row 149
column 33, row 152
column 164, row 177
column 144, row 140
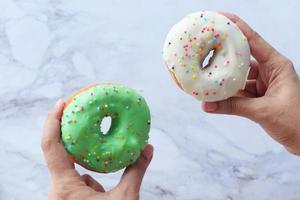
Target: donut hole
column 208, row 59
column 105, row 125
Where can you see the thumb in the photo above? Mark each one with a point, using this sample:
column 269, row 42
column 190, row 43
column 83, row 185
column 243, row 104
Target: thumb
column 133, row 175
column 54, row 152
column 242, row 106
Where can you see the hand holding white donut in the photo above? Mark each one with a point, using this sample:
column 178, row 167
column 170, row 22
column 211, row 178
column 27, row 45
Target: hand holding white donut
column 272, row 93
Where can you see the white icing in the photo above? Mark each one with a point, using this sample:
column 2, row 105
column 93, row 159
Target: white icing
column 188, row 43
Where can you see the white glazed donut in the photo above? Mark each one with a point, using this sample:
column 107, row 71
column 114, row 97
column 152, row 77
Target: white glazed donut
column 195, row 37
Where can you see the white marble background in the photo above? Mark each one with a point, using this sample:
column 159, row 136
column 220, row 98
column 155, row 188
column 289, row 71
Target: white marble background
column 51, row 48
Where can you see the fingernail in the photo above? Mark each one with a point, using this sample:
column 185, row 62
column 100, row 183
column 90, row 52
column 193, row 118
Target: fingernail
column 148, row 152
column 210, row 106
column 58, row 103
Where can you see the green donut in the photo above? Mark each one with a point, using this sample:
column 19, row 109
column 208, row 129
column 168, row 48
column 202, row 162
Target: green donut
column 125, row 139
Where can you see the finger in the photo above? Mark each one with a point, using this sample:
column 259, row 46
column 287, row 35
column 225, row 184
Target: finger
column 254, row 70
column 71, row 159
column 251, row 87
column 241, row 106
column 54, row 152
column 249, row 91
column 261, row 88
column 133, row 175
column 262, row 51
column 244, row 93
column 91, row 182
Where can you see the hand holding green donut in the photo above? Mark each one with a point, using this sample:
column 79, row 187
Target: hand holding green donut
column 68, row 184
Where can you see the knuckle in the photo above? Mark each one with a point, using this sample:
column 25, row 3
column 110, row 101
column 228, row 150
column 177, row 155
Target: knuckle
column 142, row 162
column 283, row 61
column 237, row 19
column 288, row 63
column 256, row 34
column 235, row 16
column 141, row 165
column 280, row 64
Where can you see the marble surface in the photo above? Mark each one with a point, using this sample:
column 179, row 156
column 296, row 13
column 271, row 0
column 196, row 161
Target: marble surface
column 51, row 48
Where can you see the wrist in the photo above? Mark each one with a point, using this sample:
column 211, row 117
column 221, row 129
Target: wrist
column 294, row 148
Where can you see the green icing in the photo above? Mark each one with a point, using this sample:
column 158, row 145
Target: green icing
column 127, row 136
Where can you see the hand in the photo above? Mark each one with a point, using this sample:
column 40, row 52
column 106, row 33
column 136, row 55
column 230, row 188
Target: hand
column 272, row 94
column 67, row 183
